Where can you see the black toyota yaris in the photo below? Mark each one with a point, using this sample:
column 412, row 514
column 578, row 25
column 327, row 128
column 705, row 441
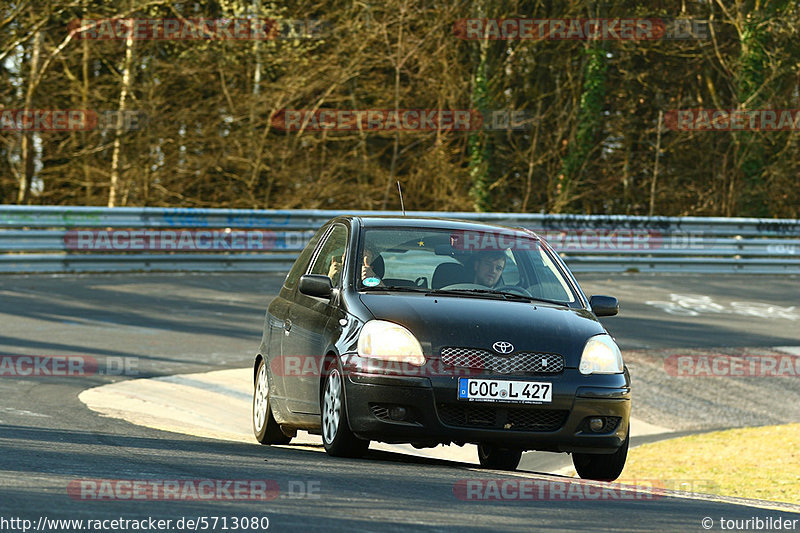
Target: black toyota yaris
column 430, row 331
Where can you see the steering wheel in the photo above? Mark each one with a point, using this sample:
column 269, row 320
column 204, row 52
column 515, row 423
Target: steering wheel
column 515, row 289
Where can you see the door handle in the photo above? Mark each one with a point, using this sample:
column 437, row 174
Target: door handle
column 287, row 326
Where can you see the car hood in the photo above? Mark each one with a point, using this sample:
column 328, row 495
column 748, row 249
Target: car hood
column 439, row 321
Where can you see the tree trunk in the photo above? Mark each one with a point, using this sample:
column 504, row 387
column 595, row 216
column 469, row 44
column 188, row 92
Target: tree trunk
column 123, row 95
column 254, row 101
column 87, row 176
column 655, row 164
column 29, row 168
column 396, row 146
column 478, row 143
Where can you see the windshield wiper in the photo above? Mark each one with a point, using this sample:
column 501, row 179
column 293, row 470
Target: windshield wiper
column 394, row 288
column 502, row 294
column 535, row 299
column 478, row 293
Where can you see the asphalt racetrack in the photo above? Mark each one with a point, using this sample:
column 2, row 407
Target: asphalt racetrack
column 52, row 447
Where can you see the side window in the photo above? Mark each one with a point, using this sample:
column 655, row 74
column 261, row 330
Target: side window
column 330, row 259
column 301, row 263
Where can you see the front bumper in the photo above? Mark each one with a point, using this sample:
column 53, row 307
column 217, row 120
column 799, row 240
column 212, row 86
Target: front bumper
column 434, row 415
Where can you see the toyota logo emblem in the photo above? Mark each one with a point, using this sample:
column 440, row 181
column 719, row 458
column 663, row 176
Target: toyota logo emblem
column 503, row 347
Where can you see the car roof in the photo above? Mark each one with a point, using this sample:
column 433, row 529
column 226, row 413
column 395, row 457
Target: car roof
column 383, row 221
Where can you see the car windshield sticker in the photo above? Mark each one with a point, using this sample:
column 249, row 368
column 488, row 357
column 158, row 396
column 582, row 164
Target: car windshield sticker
column 371, row 282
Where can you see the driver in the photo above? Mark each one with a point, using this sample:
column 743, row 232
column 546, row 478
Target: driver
column 488, row 267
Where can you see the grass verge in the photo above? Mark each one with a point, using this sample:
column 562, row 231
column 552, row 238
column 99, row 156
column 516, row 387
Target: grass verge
column 761, row 463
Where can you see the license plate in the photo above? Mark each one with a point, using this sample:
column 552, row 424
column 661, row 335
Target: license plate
column 495, row 390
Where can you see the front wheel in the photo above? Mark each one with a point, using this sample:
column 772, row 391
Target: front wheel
column 339, row 441
column 265, row 428
column 602, row 467
column 498, row 458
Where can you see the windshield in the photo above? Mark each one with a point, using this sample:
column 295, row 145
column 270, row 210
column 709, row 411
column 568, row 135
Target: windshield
column 475, row 262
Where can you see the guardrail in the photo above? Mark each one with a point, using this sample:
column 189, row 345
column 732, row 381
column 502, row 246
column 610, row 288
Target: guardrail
column 95, row 239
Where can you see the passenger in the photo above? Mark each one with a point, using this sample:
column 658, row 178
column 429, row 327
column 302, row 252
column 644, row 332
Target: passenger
column 367, row 271
column 335, row 270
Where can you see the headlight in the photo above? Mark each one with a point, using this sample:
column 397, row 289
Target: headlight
column 601, row 355
column 390, row 342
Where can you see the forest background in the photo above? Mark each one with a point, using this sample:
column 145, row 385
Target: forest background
column 192, row 122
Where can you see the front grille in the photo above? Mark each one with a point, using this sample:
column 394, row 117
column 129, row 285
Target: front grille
column 517, row 363
column 539, row 420
column 468, row 415
column 491, row 417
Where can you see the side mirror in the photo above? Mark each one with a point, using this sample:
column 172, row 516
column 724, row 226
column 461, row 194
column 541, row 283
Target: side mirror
column 604, row 305
column 316, row 285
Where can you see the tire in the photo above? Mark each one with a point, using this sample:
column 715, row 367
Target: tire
column 265, row 428
column 498, row 458
column 602, row 467
column 337, row 437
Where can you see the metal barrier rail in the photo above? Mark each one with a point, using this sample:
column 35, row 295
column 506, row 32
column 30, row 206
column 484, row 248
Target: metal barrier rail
column 94, row 239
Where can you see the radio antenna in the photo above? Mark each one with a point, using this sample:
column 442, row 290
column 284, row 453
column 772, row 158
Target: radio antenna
column 400, row 192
